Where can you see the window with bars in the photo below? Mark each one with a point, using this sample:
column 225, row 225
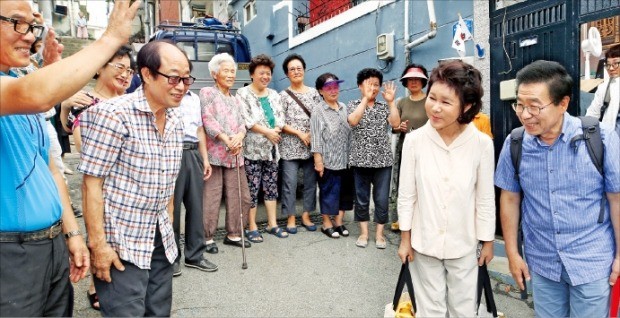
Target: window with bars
column 318, row 11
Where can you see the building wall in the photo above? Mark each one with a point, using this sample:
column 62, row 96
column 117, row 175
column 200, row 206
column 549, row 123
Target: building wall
column 481, row 31
column 347, row 48
column 169, row 10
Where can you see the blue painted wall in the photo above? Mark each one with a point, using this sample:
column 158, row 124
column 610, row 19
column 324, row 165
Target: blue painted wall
column 349, row 48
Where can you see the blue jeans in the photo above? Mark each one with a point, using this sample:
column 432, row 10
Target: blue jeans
column 289, row 185
column 379, row 178
column 561, row 299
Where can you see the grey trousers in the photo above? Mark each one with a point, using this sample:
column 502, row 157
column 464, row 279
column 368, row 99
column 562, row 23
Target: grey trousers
column 289, row 185
column 137, row 292
column 34, row 279
column 188, row 190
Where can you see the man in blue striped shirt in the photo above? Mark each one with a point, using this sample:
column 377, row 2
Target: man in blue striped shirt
column 571, row 256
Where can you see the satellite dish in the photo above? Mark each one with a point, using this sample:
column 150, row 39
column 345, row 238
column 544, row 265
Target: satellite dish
column 591, row 46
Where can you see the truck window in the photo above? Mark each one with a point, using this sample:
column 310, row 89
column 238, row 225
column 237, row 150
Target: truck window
column 205, row 50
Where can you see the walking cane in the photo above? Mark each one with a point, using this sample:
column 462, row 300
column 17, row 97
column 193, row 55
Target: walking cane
column 245, row 264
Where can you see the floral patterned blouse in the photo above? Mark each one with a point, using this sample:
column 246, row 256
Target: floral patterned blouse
column 220, row 115
column 370, row 139
column 257, row 146
column 291, row 147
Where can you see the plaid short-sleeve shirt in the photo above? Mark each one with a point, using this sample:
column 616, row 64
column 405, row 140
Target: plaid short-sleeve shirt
column 121, row 143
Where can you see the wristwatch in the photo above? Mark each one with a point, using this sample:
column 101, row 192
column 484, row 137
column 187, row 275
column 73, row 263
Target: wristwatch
column 72, row 234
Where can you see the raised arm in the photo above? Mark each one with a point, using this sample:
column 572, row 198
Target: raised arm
column 58, row 81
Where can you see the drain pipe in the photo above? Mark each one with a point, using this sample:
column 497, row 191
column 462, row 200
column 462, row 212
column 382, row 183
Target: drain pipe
column 433, row 26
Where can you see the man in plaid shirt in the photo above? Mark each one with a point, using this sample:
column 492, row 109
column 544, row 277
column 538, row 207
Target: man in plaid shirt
column 131, row 155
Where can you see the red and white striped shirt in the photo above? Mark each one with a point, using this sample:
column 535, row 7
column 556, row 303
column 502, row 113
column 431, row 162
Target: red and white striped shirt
column 121, row 143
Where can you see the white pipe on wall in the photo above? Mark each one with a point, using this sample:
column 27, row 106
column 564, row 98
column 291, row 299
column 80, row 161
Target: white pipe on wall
column 406, row 31
column 433, row 26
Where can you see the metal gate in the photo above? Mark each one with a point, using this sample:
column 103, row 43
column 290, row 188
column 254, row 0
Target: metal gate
column 532, row 30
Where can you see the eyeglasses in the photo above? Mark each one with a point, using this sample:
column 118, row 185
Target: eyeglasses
column 174, row 80
column 610, row 65
column 22, row 27
column 533, row 110
column 296, row 69
column 122, row 68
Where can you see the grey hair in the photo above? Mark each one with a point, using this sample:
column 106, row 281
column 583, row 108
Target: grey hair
column 217, row 60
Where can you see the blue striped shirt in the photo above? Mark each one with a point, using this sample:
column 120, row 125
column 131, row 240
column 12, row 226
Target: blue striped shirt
column 560, row 208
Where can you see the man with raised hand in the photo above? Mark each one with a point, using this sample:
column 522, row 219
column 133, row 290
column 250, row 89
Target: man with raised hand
column 36, row 261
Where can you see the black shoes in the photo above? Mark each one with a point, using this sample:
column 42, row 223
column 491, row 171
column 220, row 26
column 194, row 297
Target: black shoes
column 342, row 230
column 330, row 232
column 176, row 269
column 203, row 265
column 212, row 248
column 228, row 241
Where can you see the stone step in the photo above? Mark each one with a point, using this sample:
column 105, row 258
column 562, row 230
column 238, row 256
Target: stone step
column 73, row 45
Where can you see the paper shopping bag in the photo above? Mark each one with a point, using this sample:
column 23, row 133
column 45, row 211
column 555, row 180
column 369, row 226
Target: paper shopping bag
column 403, row 304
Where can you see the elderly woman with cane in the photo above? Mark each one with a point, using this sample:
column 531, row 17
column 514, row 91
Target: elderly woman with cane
column 224, row 125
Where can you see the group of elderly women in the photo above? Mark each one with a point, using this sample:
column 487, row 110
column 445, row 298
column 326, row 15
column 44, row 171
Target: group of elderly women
column 445, row 183
column 343, row 149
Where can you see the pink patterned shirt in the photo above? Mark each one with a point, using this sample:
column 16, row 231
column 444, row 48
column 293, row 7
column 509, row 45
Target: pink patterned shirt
column 220, row 114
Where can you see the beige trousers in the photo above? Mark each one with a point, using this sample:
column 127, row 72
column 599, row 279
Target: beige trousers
column 224, row 181
column 445, row 288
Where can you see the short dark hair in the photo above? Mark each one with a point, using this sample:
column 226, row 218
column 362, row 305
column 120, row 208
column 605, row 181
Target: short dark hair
column 261, row 59
column 613, row 51
column 559, row 83
column 290, row 58
column 320, row 81
column 124, row 50
column 149, row 57
column 368, row 73
column 466, row 81
column 413, row 65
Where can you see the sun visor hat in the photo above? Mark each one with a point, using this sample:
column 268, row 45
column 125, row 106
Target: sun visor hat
column 332, row 81
column 414, row 72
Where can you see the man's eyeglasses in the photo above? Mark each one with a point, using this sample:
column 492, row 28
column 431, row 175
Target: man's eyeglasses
column 174, row 80
column 22, row 27
column 533, row 110
column 610, row 65
column 122, row 68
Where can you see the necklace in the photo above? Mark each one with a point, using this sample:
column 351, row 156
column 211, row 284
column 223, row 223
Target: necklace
column 102, row 95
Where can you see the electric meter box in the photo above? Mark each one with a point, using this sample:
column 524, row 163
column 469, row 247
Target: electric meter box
column 385, row 46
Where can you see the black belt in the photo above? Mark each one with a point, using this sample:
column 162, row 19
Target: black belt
column 190, row 145
column 45, row 234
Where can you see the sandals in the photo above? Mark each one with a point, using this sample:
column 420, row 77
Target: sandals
column 254, row 236
column 362, row 242
column 92, row 299
column 291, row 230
column 342, row 230
column 330, row 232
column 381, row 244
column 277, row 231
